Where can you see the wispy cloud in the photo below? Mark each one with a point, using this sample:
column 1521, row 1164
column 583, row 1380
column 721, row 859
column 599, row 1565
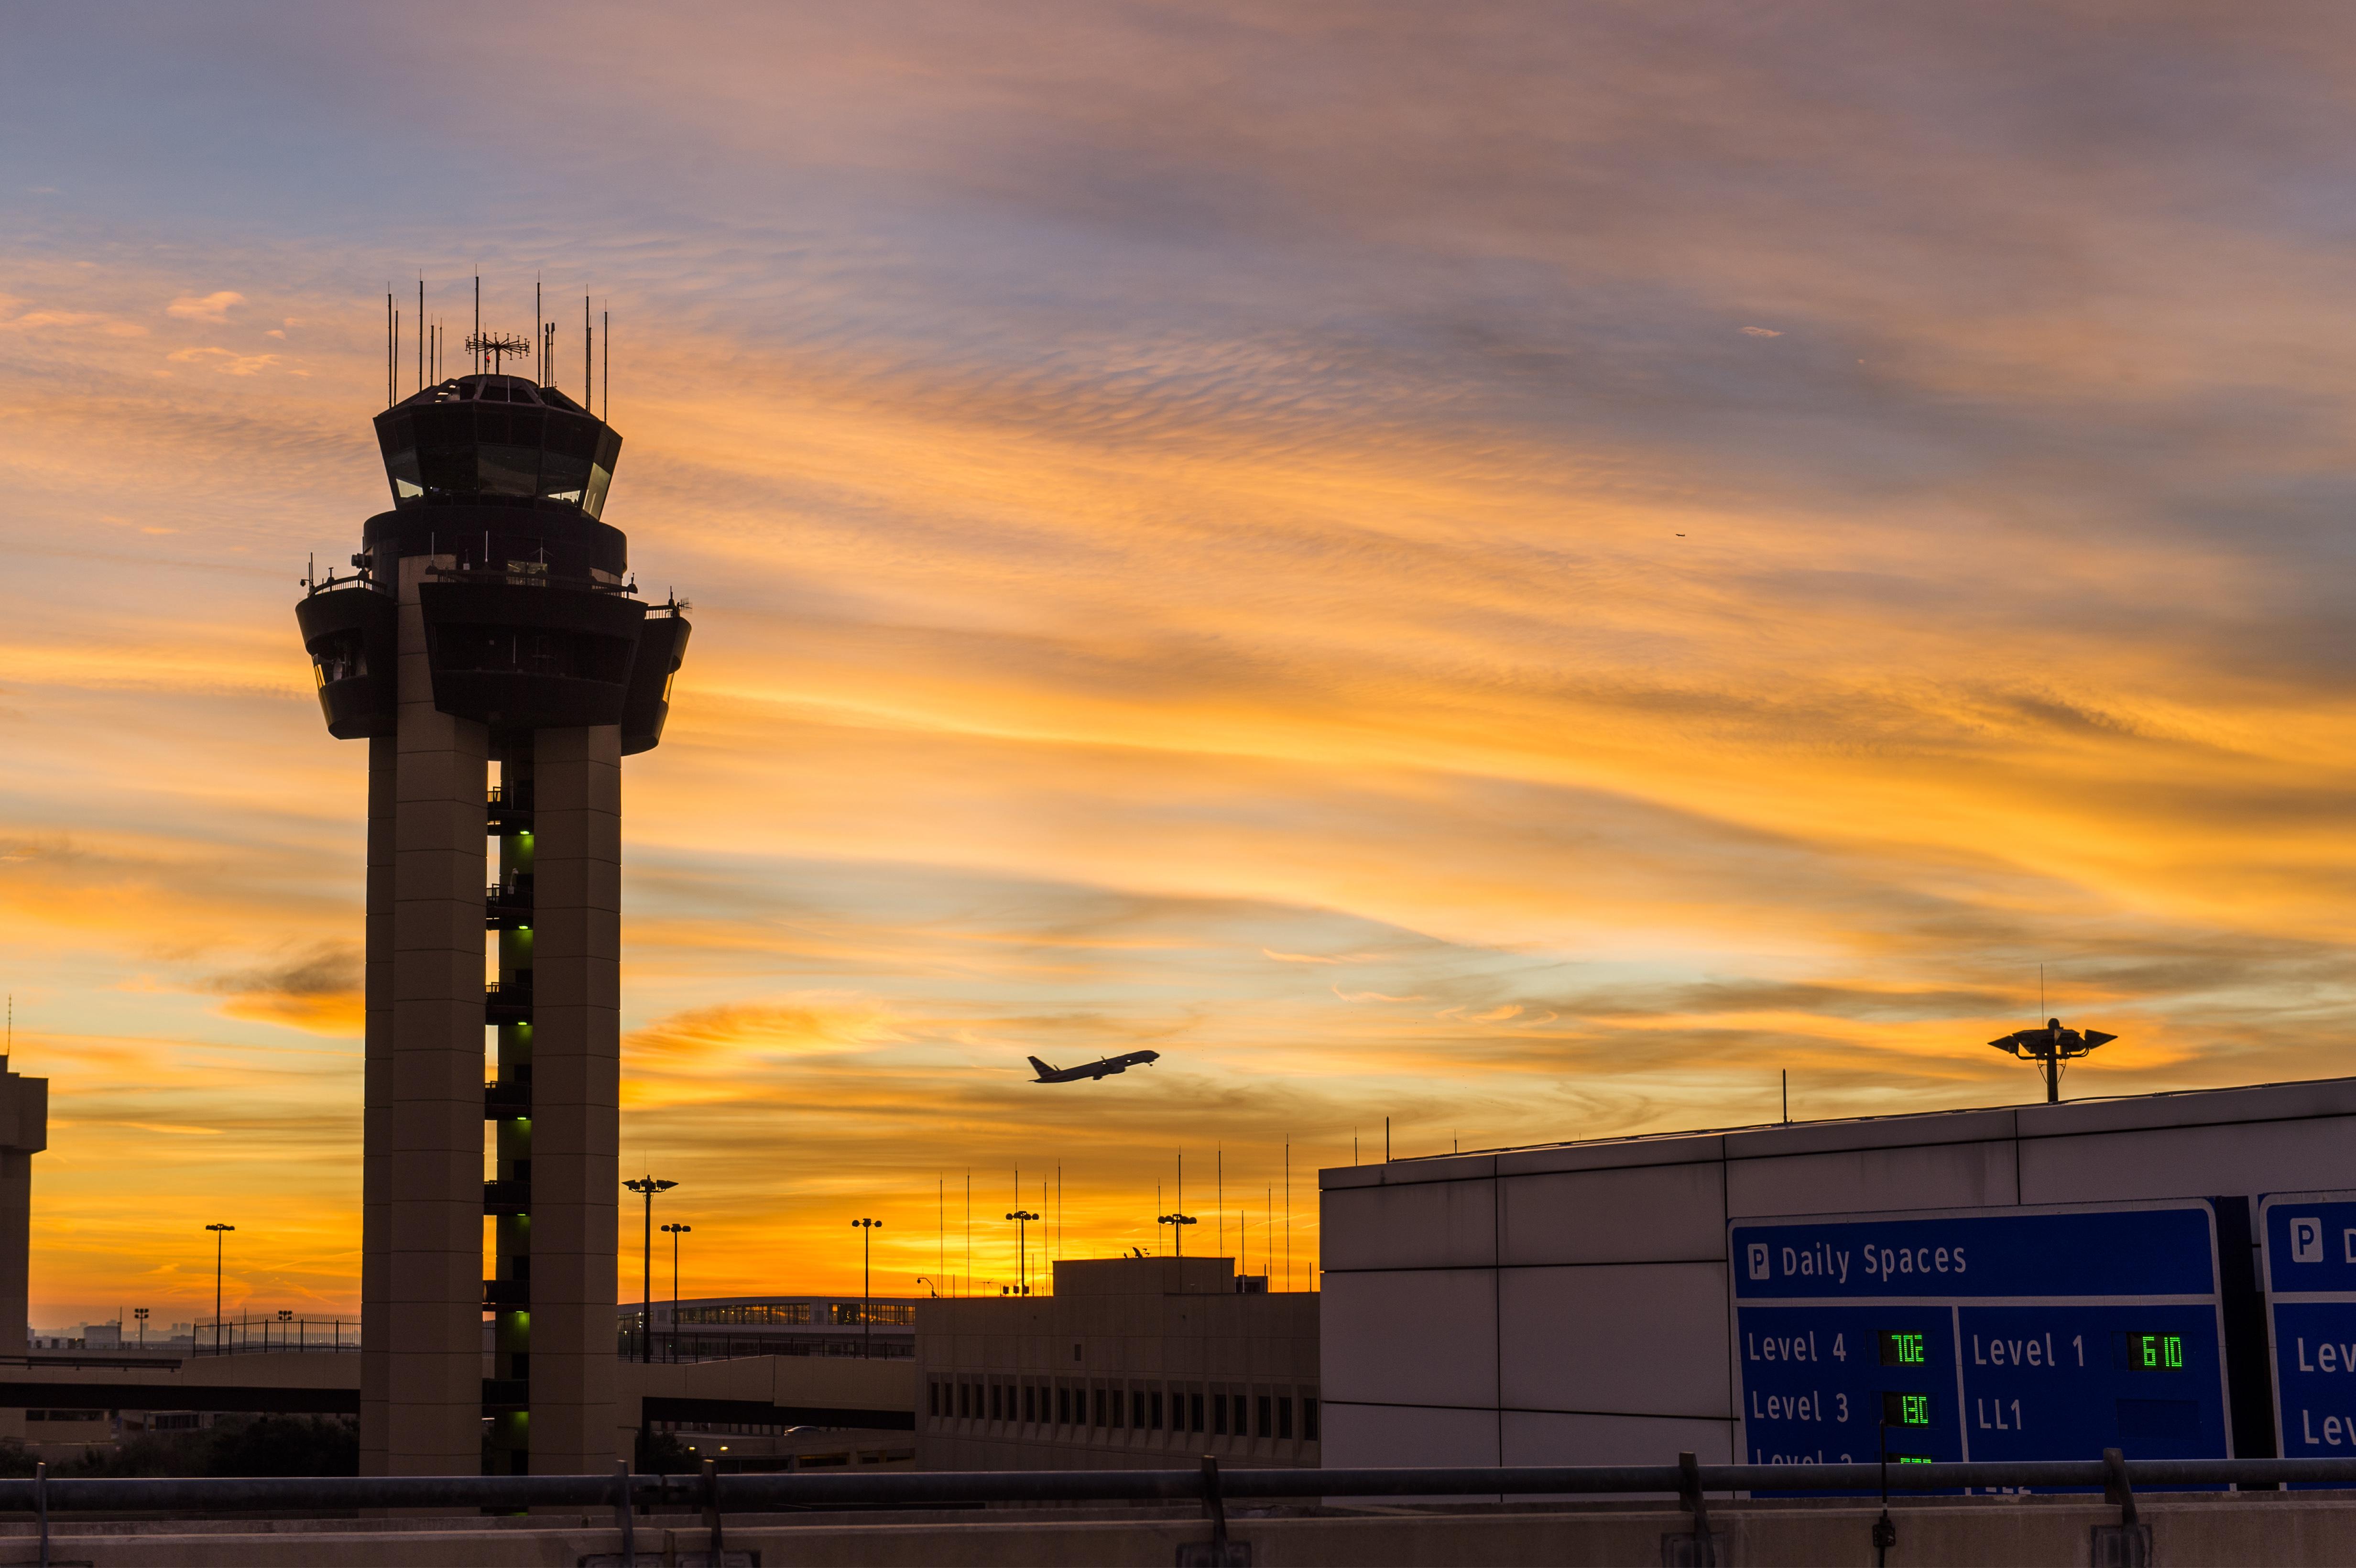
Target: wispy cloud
column 317, row 990
column 1189, row 508
column 214, row 306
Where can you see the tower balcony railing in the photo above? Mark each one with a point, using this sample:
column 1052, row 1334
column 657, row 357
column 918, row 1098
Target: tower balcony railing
column 507, row 905
column 508, row 1095
column 508, row 808
column 508, row 1000
column 508, row 1197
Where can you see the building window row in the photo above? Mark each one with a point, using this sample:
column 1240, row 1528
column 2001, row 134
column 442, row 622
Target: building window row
column 797, row 1314
column 1215, row 1410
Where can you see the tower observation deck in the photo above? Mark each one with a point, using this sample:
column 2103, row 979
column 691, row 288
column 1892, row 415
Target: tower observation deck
column 491, row 624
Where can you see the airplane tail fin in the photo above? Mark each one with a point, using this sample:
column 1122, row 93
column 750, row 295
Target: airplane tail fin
column 1041, row 1068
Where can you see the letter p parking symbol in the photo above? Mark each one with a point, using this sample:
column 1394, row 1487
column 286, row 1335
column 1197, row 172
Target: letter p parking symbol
column 2307, row 1241
column 1758, row 1260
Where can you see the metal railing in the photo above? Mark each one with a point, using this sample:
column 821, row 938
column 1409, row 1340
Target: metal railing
column 717, row 1494
column 245, row 1337
column 788, row 1492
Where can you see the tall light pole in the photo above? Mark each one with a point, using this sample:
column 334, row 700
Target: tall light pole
column 646, row 1187
column 220, row 1240
column 866, row 1229
column 1023, row 1218
column 1177, row 1223
column 675, row 1231
column 141, row 1313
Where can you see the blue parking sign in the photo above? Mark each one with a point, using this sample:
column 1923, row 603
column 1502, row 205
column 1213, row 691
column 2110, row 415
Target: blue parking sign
column 2309, row 1248
column 2015, row 1333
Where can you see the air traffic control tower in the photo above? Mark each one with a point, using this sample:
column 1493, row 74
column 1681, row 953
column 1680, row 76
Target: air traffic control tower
column 491, row 624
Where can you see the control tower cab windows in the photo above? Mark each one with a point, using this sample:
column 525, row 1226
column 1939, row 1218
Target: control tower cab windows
column 497, row 438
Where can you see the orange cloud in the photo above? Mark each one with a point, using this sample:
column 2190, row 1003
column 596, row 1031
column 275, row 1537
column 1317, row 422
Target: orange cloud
column 214, row 306
column 1150, row 552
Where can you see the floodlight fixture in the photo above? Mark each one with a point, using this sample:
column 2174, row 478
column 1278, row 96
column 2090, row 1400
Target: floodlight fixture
column 2050, row 1047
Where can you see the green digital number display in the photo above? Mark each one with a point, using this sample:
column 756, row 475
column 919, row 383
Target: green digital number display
column 1905, row 1409
column 1901, row 1348
column 2148, row 1352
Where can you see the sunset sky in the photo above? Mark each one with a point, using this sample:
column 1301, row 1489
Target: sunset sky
column 1523, row 569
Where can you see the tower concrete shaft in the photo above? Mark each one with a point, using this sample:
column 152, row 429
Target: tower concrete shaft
column 23, row 1133
column 491, row 631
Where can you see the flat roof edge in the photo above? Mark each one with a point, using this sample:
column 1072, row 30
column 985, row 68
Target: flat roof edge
column 2089, row 1119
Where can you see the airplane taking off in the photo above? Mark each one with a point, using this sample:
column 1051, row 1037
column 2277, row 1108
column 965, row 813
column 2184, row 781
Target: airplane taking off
column 1093, row 1070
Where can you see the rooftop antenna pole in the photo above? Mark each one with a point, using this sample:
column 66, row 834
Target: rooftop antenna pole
column 421, row 333
column 2052, row 1059
column 606, row 377
column 388, row 347
column 538, row 337
column 1219, row 1197
column 588, row 359
column 478, row 323
column 1787, row 1096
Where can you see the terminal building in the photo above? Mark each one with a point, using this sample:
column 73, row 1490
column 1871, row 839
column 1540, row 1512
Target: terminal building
column 1132, row 1363
column 1576, row 1303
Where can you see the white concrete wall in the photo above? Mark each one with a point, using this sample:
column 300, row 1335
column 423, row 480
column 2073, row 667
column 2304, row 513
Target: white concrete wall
column 1567, row 1304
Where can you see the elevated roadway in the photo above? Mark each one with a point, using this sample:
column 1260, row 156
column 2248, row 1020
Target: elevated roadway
column 752, row 1390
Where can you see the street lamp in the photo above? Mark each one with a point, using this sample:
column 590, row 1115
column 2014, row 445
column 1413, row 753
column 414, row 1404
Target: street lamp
column 220, row 1240
column 646, row 1187
column 141, row 1313
column 675, row 1231
column 929, row 1286
column 1176, row 1221
column 866, row 1229
column 1023, row 1218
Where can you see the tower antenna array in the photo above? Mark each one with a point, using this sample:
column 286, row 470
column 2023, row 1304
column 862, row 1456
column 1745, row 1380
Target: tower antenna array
column 496, row 345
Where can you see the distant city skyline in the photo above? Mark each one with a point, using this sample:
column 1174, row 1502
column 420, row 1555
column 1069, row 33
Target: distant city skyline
column 1526, row 569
